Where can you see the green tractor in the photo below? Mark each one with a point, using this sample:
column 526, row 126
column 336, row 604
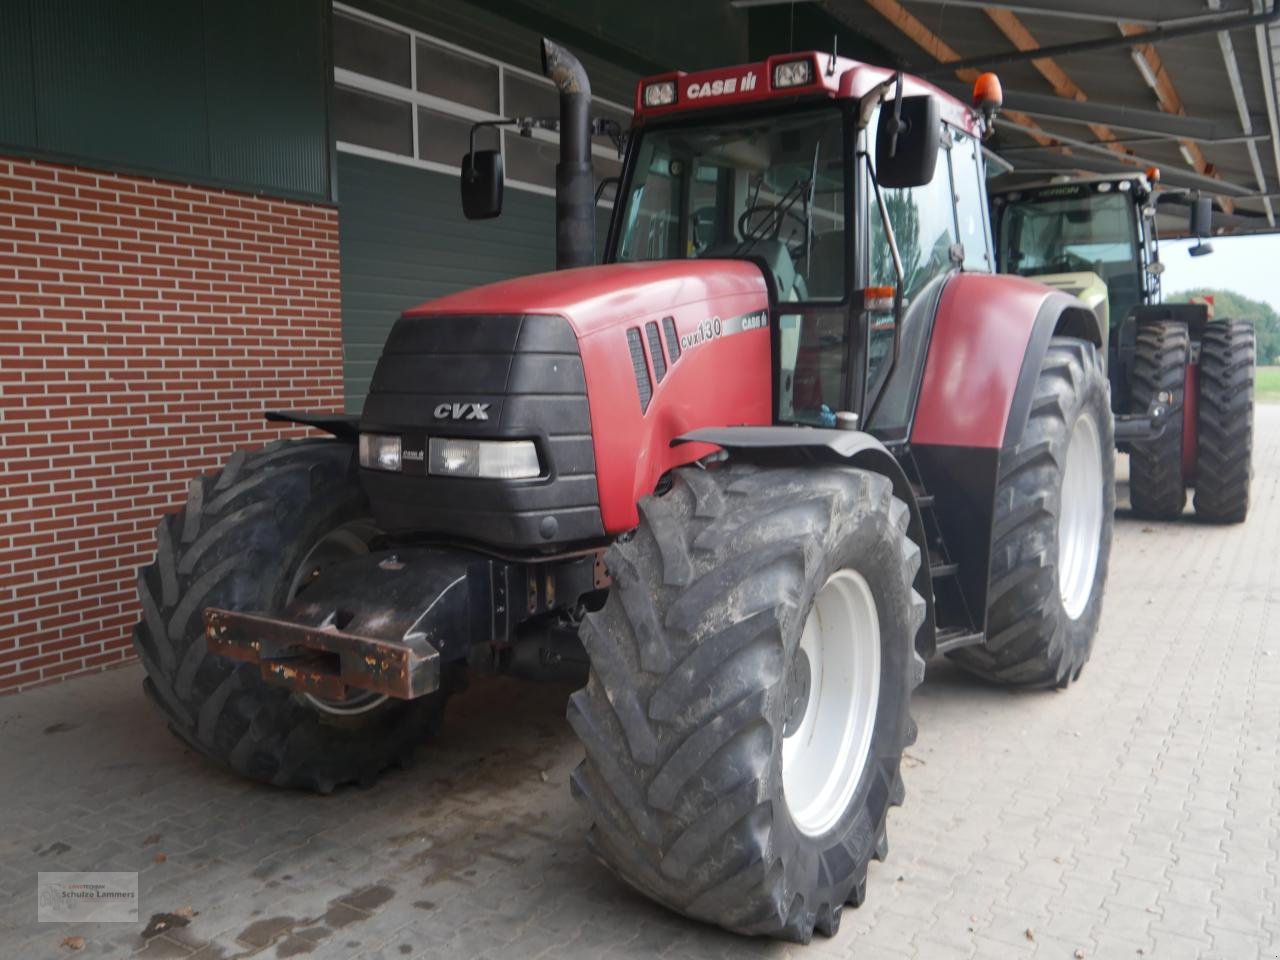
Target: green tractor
column 1181, row 379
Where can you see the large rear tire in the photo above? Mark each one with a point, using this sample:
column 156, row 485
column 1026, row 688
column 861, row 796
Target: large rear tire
column 240, row 543
column 1051, row 542
column 1157, row 490
column 747, row 706
column 1224, row 428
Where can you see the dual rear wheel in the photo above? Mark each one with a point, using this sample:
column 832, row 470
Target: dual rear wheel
column 1220, row 466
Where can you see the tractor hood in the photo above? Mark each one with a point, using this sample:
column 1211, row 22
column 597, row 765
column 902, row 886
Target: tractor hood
column 596, row 298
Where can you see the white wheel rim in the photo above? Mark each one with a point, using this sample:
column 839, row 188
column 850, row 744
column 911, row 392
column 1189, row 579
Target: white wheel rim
column 823, row 758
column 1080, row 517
column 342, row 543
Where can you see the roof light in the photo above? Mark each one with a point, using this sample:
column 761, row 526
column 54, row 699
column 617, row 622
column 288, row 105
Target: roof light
column 1104, row 187
column 793, row 73
column 660, row 94
column 1153, row 174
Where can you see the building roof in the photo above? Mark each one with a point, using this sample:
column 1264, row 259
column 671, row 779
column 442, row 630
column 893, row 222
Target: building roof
column 1200, row 107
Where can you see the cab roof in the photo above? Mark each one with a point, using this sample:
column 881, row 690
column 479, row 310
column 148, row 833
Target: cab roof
column 830, row 77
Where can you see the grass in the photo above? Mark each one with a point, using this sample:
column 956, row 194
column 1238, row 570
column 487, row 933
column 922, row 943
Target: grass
column 1267, row 386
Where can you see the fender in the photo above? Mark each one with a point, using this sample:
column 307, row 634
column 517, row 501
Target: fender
column 787, row 445
column 990, row 337
column 343, row 426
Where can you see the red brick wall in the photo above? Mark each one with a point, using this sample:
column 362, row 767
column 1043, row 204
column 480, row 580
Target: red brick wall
column 144, row 326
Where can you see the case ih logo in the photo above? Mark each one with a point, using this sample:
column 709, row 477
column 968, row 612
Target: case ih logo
column 462, row 411
column 721, row 88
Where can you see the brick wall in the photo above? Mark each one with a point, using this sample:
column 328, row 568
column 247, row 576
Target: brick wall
column 144, row 326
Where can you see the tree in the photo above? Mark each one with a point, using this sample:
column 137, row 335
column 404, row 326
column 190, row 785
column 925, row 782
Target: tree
column 1228, row 305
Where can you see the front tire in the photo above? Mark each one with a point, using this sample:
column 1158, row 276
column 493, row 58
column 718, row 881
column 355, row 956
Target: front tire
column 1051, row 542
column 747, row 706
column 240, row 543
column 1157, row 490
column 1224, row 441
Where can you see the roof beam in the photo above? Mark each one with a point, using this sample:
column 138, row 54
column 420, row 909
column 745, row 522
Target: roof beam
column 1092, row 154
column 1016, row 32
column 1269, row 92
column 1154, row 123
column 1100, row 11
column 1242, row 110
column 1168, row 99
column 932, row 44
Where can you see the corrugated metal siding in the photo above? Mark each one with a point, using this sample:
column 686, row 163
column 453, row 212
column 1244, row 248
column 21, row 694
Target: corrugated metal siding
column 17, row 99
column 231, row 93
column 266, row 88
column 404, row 240
column 121, row 82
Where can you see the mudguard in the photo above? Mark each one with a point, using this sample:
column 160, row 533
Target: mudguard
column 990, row 337
column 786, row 445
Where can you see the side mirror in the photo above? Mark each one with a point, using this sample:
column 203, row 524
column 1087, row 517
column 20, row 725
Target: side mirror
column 1202, row 217
column 482, row 184
column 907, row 146
column 1201, row 250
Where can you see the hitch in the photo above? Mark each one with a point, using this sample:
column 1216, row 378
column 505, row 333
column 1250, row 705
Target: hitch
column 384, row 622
column 322, row 660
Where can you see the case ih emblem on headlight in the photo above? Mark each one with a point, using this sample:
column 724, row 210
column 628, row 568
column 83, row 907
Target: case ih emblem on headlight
column 462, row 411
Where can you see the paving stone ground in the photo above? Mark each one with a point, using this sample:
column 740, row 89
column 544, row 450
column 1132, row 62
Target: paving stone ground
column 1135, row 814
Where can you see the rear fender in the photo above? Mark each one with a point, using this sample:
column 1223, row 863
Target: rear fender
column 786, row 446
column 343, row 426
column 989, row 342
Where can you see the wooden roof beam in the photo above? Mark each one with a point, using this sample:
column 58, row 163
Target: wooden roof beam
column 1017, row 33
column 932, row 44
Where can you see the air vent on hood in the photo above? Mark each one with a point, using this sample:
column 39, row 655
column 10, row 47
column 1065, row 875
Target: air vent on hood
column 639, row 367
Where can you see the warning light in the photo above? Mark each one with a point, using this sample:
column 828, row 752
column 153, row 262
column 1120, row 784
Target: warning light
column 987, row 93
column 1153, row 174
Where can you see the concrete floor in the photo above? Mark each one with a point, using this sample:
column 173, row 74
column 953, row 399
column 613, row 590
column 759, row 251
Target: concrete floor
column 1135, row 814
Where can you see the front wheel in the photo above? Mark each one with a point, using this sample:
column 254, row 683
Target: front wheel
column 1051, row 542
column 250, row 538
column 747, row 706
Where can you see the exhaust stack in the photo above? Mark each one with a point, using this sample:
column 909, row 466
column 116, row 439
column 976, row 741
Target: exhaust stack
column 575, row 178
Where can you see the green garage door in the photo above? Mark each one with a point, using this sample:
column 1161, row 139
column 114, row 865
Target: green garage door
column 404, row 240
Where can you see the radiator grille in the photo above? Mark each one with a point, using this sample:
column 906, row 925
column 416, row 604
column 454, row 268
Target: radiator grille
column 639, row 367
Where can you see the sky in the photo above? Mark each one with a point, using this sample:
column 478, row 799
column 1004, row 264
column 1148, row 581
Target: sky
column 1245, row 265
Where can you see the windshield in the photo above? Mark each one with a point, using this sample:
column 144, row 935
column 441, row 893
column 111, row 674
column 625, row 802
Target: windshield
column 768, row 187
column 1094, row 232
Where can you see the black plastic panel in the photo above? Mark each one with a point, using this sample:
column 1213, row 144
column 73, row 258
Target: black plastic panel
column 517, row 377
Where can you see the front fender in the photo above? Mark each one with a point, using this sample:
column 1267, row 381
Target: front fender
column 787, row 445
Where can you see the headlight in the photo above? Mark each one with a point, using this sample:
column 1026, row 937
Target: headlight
column 379, row 451
column 490, row 459
column 795, row 73
column 660, row 94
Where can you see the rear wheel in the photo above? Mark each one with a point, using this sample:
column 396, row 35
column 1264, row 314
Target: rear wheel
column 250, row 538
column 1224, row 428
column 1157, row 490
column 1051, row 540
column 747, row 707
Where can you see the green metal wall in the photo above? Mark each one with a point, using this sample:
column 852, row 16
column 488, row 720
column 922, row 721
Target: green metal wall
column 404, row 240
column 227, row 92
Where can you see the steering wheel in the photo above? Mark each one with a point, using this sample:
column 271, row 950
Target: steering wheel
column 767, row 220
column 702, row 220
column 1070, row 263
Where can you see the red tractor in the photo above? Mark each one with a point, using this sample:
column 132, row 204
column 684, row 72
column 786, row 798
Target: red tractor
column 746, row 477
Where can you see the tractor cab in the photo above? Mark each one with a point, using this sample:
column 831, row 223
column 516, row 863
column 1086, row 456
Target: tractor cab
column 839, row 181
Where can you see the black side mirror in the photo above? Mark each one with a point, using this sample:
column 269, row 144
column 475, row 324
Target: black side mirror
column 1202, row 217
column 907, row 144
column 482, row 184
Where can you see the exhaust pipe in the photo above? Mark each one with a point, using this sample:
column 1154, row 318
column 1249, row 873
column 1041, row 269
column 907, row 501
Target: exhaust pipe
column 575, row 178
